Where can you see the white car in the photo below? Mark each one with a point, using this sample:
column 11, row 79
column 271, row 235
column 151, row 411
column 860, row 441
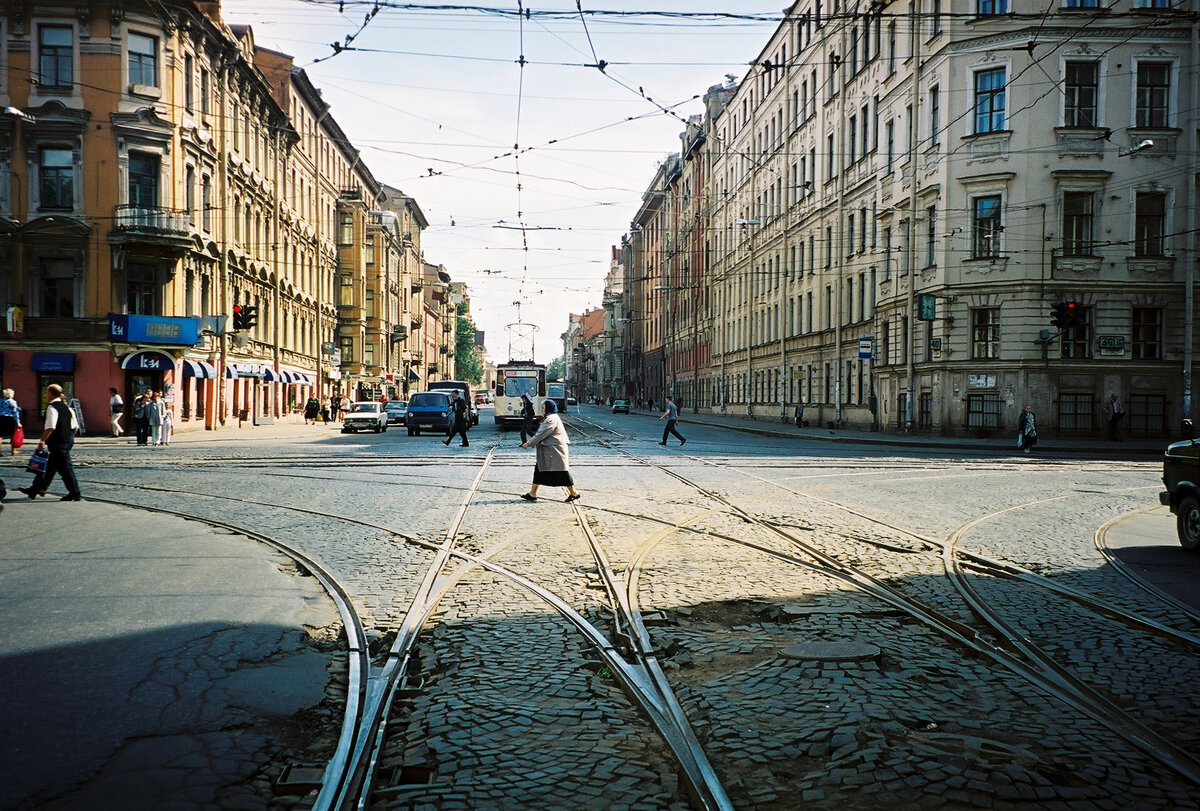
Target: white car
column 362, row 416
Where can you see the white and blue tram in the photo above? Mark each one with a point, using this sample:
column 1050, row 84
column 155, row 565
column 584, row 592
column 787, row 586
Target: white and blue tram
column 512, row 380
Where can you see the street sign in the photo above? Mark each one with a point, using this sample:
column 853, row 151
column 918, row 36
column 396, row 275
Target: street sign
column 926, row 307
column 865, row 348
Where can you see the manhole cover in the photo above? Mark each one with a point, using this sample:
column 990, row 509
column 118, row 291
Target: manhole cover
column 831, row 651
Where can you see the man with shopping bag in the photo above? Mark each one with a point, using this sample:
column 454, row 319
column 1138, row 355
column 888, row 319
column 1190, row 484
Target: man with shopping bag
column 58, row 437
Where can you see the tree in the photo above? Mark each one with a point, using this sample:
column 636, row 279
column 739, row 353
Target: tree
column 555, row 370
column 467, row 360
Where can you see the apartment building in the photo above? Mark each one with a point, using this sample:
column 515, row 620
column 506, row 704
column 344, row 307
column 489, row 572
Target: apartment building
column 159, row 169
column 897, row 196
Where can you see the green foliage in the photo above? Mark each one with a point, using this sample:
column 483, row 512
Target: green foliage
column 556, row 368
column 467, row 359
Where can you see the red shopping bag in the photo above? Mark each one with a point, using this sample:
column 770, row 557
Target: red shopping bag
column 18, row 438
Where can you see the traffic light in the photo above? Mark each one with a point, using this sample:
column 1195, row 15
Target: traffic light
column 245, row 316
column 1064, row 314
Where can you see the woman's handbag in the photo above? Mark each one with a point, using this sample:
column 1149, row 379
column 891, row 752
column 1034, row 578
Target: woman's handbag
column 38, row 462
column 18, row 437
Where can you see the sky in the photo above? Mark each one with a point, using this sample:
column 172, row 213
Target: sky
column 528, row 174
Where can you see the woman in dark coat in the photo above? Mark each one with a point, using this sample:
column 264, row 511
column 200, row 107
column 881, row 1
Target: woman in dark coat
column 553, row 467
column 311, row 409
column 528, row 418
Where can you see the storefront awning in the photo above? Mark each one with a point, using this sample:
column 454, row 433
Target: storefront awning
column 149, row 360
column 231, row 373
column 198, row 369
column 301, row 377
column 271, row 376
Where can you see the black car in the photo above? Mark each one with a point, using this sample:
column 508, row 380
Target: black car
column 1181, row 475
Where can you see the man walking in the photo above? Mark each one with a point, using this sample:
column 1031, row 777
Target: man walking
column 116, row 407
column 59, row 436
column 1114, row 411
column 528, row 418
column 141, row 417
column 460, row 420
column 672, row 417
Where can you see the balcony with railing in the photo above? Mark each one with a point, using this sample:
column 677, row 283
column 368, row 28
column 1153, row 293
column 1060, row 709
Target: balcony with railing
column 168, row 229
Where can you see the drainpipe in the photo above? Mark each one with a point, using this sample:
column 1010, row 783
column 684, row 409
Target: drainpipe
column 1189, row 266
column 911, row 298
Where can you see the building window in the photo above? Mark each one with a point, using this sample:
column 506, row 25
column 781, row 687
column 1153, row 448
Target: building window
column 370, row 308
column 56, row 171
column 143, row 61
column 1080, row 94
column 369, row 355
column 206, row 202
column 347, row 347
column 1147, row 414
column 1147, row 333
column 346, row 299
column 983, row 410
column 189, row 82
column 1081, row 3
column 345, row 228
column 985, row 333
column 891, row 47
column 143, row 180
column 1150, row 224
column 985, row 227
column 1075, row 412
column 931, row 236
column 1077, row 340
column 1078, row 219
column 989, row 100
column 890, row 129
column 205, row 92
column 58, row 288
column 988, row 8
column 140, row 290
column 935, row 117
column 55, row 57
column 1153, row 94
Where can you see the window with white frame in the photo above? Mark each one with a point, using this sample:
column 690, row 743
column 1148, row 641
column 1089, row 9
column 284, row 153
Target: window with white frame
column 1153, row 94
column 56, row 176
column 1078, row 222
column 986, row 226
column 143, row 60
column 985, row 333
column 989, row 100
column 1081, row 91
column 1150, row 224
column 988, row 8
column 56, row 57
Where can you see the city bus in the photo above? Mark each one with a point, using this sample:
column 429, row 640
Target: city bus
column 512, row 380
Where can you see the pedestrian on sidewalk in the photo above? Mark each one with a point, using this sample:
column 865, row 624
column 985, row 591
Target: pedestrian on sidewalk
column 10, row 420
column 155, row 413
column 343, row 408
column 800, row 414
column 168, row 423
column 553, row 465
column 59, row 436
column 1114, row 410
column 1026, row 429
column 312, row 409
column 672, row 417
column 141, row 417
column 116, row 408
column 460, row 420
column 528, row 418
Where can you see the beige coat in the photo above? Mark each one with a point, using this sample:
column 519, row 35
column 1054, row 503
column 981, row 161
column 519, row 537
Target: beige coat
column 552, row 444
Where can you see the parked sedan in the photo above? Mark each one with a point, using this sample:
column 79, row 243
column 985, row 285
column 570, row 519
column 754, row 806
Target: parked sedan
column 396, row 410
column 362, row 416
column 620, row 407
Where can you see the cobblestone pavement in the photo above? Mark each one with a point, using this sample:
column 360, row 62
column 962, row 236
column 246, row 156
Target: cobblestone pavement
column 773, row 578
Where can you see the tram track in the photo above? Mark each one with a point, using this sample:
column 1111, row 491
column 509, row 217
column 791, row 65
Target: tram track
column 1010, row 646
column 625, row 649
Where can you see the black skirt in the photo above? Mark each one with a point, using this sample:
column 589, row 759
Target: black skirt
column 553, row 478
column 8, row 425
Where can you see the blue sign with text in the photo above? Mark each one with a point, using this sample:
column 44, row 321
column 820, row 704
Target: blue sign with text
column 153, row 329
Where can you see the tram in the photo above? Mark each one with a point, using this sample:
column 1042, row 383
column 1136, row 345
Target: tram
column 512, row 380
column 556, row 390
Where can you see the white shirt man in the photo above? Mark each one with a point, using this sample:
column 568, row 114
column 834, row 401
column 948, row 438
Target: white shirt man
column 116, row 407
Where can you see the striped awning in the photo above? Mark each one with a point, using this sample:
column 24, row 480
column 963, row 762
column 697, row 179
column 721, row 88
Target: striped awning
column 198, row 369
column 231, row 372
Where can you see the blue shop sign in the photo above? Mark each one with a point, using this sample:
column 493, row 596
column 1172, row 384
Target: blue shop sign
column 153, row 329
column 53, row 362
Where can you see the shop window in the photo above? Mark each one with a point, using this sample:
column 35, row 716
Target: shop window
column 1075, row 412
column 983, row 410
